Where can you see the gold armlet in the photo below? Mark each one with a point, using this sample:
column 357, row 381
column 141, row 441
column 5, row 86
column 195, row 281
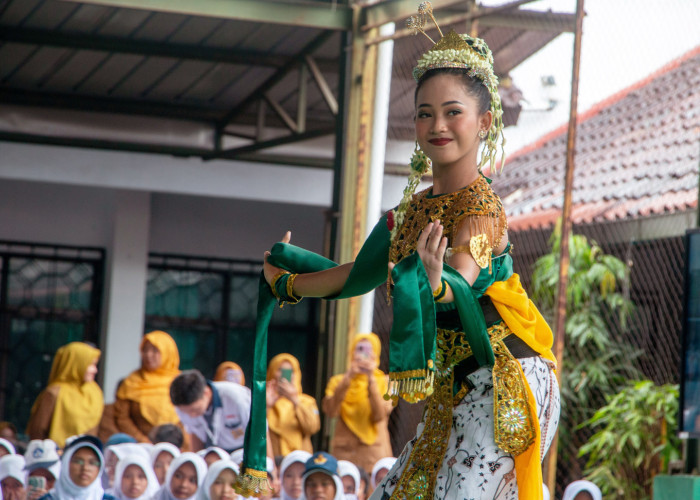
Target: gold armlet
column 273, row 283
column 291, row 298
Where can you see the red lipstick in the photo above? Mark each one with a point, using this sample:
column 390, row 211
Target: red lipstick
column 440, row 141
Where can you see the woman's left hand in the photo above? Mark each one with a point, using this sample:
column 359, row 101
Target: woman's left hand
column 288, row 390
column 431, row 248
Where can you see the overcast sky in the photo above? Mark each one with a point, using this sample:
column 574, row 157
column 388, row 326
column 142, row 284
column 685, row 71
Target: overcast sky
column 623, row 42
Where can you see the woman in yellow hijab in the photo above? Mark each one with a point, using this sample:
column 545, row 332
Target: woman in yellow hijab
column 361, row 434
column 228, row 371
column 72, row 402
column 292, row 416
column 143, row 398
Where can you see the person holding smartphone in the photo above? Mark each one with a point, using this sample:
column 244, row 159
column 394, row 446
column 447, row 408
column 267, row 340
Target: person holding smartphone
column 356, row 396
column 293, row 416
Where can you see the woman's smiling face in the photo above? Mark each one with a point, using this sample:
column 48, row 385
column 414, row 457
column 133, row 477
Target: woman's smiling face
column 448, row 121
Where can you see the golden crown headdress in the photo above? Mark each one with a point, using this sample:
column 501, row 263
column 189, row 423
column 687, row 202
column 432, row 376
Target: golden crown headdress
column 473, row 55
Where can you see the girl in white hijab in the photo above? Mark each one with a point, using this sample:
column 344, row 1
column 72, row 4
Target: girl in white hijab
column 80, row 466
column 589, row 490
column 349, row 470
column 221, row 481
column 185, row 477
column 381, row 469
column 162, row 456
column 8, row 446
column 213, row 454
column 115, row 453
column 291, row 474
column 126, row 484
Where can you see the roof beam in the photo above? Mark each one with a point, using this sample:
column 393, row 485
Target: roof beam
column 140, row 47
column 326, row 16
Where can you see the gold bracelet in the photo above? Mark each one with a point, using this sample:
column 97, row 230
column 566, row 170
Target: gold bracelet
column 291, row 298
column 438, row 291
column 441, row 298
column 275, row 278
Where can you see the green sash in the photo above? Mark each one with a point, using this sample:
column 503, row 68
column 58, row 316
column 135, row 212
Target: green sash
column 412, row 340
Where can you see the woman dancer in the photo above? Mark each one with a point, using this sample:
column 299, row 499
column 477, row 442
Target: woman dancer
column 487, row 370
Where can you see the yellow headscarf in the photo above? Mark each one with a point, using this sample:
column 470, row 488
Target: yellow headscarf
column 221, row 370
column 151, row 389
column 355, row 410
column 79, row 404
column 280, row 416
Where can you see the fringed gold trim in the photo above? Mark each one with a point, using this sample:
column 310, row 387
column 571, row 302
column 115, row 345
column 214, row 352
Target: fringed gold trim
column 252, row 483
column 410, row 385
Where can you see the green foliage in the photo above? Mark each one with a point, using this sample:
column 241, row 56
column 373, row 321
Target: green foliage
column 632, row 442
column 595, row 365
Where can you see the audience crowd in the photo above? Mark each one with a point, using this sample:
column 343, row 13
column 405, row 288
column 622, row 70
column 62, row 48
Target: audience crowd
column 172, row 434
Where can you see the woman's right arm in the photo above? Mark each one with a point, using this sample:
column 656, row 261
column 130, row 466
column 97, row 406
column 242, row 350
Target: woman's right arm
column 318, row 284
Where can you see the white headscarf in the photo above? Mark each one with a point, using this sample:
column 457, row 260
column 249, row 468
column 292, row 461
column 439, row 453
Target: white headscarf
column 339, row 493
column 346, row 468
column 213, row 473
column 158, row 448
column 237, row 456
column 292, row 458
column 145, row 465
column 66, row 489
column 545, row 492
column 582, row 485
column 199, row 465
column 214, row 449
column 122, row 450
column 6, row 444
column 383, row 463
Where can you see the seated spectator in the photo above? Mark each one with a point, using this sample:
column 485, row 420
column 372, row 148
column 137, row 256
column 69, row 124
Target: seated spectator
column 185, row 477
column 357, row 397
column 321, row 480
column 291, row 415
column 582, row 490
column 228, row 371
column 72, row 403
column 213, row 413
column 113, row 455
column 350, row 476
column 8, row 431
column 143, row 398
column 291, row 472
column 12, row 477
column 108, row 424
column 167, row 433
column 119, row 438
column 364, row 485
column 135, row 479
column 381, row 469
column 6, row 447
column 42, row 460
column 213, row 454
column 162, row 455
column 82, row 465
column 219, row 482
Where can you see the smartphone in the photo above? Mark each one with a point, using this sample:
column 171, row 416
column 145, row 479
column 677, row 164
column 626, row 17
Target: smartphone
column 37, row 483
column 364, row 350
column 286, row 374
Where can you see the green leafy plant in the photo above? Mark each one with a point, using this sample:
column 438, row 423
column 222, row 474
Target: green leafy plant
column 632, row 442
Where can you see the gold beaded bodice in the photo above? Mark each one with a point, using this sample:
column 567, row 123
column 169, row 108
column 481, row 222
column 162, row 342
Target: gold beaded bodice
column 475, row 204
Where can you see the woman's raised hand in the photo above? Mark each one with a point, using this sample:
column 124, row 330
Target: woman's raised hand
column 431, row 248
column 270, row 270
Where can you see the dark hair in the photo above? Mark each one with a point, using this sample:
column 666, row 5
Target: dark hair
column 364, row 477
column 473, row 86
column 187, row 387
column 167, row 433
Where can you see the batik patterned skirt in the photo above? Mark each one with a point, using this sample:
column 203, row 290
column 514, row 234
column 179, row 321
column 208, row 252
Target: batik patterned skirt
column 473, row 467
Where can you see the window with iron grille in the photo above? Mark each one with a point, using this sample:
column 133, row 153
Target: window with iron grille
column 49, row 296
column 208, row 305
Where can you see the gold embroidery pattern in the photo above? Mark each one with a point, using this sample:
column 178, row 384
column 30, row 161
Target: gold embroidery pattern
column 514, row 426
column 476, row 204
column 418, row 478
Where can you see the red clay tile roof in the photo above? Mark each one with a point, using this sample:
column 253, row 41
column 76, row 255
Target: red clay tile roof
column 637, row 154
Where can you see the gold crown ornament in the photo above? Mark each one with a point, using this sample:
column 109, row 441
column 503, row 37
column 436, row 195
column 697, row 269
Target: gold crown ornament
column 473, row 55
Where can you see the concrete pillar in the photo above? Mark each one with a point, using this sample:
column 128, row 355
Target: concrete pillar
column 125, row 288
